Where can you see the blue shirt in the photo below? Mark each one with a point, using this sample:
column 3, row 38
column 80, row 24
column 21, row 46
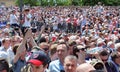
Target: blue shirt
column 56, row 66
column 116, row 66
column 18, row 65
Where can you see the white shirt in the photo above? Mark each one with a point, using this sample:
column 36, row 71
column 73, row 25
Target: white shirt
column 13, row 19
column 27, row 22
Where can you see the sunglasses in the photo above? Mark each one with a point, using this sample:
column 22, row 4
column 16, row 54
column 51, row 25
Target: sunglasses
column 46, row 49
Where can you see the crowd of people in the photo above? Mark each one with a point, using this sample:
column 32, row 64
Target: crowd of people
column 60, row 39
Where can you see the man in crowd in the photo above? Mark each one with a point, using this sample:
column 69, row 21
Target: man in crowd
column 70, row 63
column 38, row 62
column 57, row 65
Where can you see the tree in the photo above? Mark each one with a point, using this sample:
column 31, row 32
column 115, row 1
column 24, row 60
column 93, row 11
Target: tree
column 69, row 2
column 29, row 2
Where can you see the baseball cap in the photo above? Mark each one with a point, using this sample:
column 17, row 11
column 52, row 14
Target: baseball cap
column 39, row 58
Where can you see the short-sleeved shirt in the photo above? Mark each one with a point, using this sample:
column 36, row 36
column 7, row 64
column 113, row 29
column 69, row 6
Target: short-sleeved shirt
column 56, row 66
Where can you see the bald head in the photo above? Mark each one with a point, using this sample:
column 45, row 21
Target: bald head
column 85, row 67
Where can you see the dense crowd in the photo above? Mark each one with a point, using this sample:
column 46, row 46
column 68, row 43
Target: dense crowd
column 60, row 39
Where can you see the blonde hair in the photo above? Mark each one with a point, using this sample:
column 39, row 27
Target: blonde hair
column 53, row 48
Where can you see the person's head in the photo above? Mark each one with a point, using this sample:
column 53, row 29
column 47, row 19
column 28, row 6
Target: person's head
column 115, row 56
column 44, row 46
column 6, row 43
column 13, row 11
column 82, row 49
column 117, row 47
column 4, row 66
column 100, row 43
column 62, row 50
column 42, row 39
column 92, row 45
column 85, row 67
column 79, row 49
column 38, row 61
column 104, row 55
column 26, row 10
column 70, row 63
column 36, row 48
column 71, row 43
column 53, row 50
column 110, row 44
column 97, row 64
column 8, row 25
column 16, row 40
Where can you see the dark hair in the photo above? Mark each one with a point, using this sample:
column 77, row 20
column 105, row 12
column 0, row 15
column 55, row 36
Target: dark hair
column 114, row 55
column 104, row 53
column 75, row 50
column 42, row 39
column 99, row 66
column 4, row 65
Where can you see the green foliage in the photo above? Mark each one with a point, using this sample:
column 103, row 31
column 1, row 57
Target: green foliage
column 69, row 2
column 29, row 2
column 64, row 2
column 105, row 2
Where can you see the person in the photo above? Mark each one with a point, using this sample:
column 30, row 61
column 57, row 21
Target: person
column 27, row 18
column 105, row 57
column 53, row 52
column 80, row 52
column 111, row 46
column 4, row 66
column 117, row 47
column 26, row 22
column 20, row 52
column 57, row 65
column 6, row 47
column 85, row 67
column 19, row 60
column 98, row 65
column 45, row 47
column 13, row 19
column 71, row 44
column 5, row 44
column 70, row 63
column 38, row 62
column 115, row 59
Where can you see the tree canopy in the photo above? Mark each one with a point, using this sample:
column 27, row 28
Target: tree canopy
column 69, row 2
